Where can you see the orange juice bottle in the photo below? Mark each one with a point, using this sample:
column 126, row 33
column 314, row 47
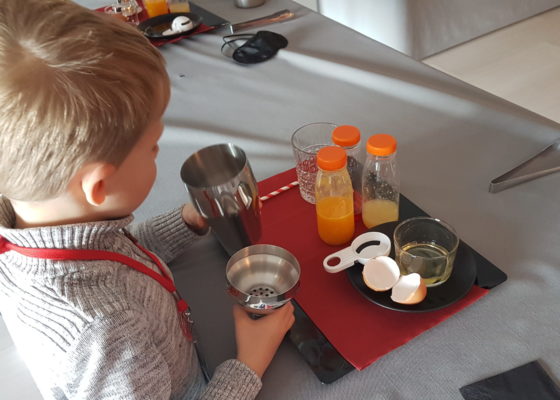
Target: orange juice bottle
column 179, row 6
column 156, row 7
column 334, row 203
column 380, row 181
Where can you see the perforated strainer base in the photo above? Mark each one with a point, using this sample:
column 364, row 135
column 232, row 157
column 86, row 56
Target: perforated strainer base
column 262, row 291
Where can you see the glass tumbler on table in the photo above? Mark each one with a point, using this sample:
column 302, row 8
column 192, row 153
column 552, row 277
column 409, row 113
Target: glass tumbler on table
column 125, row 10
column 129, row 10
column 426, row 246
column 306, row 142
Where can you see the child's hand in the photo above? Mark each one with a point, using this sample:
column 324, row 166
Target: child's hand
column 258, row 340
column 194, row 220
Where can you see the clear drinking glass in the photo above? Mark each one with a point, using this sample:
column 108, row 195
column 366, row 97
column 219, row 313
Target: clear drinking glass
column 125, row 10
column 306, row 142
column 426, row 246
column 129, row 10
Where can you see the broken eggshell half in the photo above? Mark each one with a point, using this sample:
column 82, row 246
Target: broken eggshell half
column 409, row 289
column 382, row 273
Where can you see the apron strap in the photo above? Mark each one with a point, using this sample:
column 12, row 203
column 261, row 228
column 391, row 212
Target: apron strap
column 85, row 254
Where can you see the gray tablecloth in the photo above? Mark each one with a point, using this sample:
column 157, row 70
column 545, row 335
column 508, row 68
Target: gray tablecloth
column 453, row 139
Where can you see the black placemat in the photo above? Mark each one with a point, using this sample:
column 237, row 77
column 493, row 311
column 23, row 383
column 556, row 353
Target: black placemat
column 527, row 382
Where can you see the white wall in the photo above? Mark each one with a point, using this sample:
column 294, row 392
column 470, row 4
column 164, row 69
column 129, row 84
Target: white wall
column 420, row 28
column 387, row 21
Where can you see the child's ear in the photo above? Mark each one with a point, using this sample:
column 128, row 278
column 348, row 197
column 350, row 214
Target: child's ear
column 93, row 182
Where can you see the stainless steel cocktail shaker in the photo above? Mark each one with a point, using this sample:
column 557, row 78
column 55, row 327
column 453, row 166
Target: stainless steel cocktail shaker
column 224, row 191
column 248, row 3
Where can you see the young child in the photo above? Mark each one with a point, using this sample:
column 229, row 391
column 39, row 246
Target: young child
column 81, row 100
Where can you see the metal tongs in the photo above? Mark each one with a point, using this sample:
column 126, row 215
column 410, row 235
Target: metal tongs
column 279, row 16
column 543, row 163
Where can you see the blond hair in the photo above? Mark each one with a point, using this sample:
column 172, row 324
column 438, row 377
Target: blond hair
column 76, row 86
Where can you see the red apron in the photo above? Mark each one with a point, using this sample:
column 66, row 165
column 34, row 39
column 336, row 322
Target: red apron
column 67, row 254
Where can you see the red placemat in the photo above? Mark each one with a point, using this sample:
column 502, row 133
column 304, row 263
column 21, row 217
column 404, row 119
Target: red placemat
column 360, row 331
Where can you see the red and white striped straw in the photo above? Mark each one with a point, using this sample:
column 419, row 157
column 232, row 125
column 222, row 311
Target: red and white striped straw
column 280, row 190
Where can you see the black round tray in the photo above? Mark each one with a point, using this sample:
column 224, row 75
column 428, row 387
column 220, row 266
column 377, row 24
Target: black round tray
column 154, row 27
column 456, row 287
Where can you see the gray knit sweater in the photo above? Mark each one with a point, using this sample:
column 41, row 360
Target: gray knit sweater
column 99, row 329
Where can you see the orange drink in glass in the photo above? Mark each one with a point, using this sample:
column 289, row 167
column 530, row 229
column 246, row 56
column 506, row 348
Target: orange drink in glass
column 156, row 7
column 335, row 220
column 179, row 6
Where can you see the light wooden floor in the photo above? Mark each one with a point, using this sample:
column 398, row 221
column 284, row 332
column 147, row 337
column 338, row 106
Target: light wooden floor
column 520, row 63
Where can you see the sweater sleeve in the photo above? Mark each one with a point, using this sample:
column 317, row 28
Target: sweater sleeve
column 115, row 359
column 232, row 380
column 167, row 235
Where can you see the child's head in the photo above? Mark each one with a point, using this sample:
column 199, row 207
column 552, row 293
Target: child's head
column 76, row 87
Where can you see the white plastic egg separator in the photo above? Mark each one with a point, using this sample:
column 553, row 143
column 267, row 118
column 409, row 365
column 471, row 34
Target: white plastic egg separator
column 363, row 248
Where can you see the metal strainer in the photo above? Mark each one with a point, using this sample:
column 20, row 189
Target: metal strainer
column 262, row 277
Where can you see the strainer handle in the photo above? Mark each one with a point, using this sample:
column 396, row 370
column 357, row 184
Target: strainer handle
column 346, row 258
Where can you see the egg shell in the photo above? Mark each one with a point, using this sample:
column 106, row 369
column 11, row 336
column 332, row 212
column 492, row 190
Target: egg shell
column 380, row 273
column 410, row 289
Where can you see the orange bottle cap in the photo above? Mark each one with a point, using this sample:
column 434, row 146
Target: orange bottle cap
column 381, row 144
column 346, row 135
column 331, row 158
